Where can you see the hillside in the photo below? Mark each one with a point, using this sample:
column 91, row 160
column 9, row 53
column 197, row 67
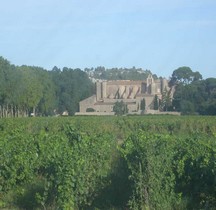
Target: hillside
column 101, row 73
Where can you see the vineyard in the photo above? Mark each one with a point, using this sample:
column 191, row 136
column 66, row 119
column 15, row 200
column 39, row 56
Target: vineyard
column 116, row 163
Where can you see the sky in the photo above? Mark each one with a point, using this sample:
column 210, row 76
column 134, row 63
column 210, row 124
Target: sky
column 158, row 35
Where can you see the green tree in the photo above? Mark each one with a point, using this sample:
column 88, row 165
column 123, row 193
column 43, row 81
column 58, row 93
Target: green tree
column 156, row 103
column 32, row 90
column 120, row 108
column 9, row 88
column 184, row 75
column 197, row 76
column 209, row 104
column 142, row 104
column 72, row 86
column 196, row 97
column 119, row 73
column 187, row 107
column 47, row 103
column 166, row 101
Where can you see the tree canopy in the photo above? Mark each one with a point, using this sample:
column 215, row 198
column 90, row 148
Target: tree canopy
column 118, row 73
column 120, row 108
column 192, row 94
column 29, row 89
column 184, row 75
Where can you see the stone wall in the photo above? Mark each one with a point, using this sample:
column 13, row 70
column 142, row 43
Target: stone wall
column 149, row 111
column 87, row 103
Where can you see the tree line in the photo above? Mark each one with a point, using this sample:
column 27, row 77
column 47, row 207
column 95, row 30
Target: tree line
column 26, row 90
column 133, row 73
column 193, row 95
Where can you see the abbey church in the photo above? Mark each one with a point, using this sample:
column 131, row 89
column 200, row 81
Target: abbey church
column 130, row 92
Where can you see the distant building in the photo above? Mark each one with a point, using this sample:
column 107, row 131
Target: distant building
column 130, row 92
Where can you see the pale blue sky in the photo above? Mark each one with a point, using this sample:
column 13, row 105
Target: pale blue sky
column 159, row 35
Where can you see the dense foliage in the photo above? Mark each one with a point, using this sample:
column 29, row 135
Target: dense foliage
column 170, row 172
column 118, row 73
column 193, row 95
column 29, row 89
column 120, row 108
column 149, row 162
column 59, row 169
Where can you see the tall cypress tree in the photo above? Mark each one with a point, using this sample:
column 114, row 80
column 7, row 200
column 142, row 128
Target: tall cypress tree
column 156, row 104
column 143, row 104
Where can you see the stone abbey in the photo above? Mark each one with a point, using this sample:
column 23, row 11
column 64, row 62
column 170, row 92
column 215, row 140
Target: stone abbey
column 128, row 91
